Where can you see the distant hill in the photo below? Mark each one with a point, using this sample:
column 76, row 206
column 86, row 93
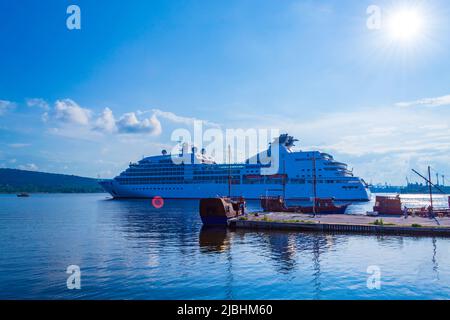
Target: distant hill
column 13, row 181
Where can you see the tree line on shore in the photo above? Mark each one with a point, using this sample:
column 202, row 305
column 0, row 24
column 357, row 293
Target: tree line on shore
column 15, row 181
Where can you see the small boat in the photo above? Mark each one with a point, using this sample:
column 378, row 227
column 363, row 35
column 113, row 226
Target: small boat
column 277, row 204
column 217, row 211
column 325, row 206
column 23, row 195
column 322, row 206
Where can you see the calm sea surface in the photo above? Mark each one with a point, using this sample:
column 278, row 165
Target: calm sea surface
column 131, row 250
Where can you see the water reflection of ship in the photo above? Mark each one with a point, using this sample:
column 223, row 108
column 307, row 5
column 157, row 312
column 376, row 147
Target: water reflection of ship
column 214, row 239
column 427, row 272
column 283, row 249
column 153, row 229
column 286, row 247
column 434, row 260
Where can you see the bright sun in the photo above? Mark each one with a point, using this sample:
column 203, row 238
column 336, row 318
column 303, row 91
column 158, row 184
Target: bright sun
column 405, row 24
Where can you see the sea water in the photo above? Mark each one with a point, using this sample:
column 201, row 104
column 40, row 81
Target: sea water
column 128, row 249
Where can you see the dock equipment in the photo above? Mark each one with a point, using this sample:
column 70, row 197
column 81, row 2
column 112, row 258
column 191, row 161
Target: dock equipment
column 432, row 211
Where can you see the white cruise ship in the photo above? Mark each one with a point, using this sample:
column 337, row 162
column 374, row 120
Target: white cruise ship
column 301, row 175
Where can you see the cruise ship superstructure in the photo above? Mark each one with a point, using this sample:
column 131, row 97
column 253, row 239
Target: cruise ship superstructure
column 299, row 176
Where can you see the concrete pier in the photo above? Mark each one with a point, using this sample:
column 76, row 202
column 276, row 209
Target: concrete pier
column 344, row 223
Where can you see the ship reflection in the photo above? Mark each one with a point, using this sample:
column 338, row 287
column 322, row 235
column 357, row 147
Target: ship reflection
column 282, row 248
column 214, row 239
column 434, row 259
column 217, row 240
column 173, row 235
column 290, row 251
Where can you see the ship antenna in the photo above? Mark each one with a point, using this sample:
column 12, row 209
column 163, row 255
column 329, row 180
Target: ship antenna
column 430, row 188
column 284, row 179
column 314, row 184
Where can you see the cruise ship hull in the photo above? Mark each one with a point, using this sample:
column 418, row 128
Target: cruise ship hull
column 343, row 192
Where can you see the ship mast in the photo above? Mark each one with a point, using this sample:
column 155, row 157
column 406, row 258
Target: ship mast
column 284, row 179
column 229, row 171
column 430, row 188
column 314, row 184
column 430, row 185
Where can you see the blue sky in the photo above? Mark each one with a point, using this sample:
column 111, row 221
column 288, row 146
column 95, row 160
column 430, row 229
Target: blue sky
column 89, row 101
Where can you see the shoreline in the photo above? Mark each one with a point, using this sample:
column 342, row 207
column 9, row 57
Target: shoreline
column 344, row 223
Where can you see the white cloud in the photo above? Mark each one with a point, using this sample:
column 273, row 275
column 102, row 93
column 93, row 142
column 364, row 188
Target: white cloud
column 45, row 116
column 427, row 102
column 38, row 102
column 180, row 119
column 76, row 132
column 382, row 144
column 28, row 167
column 157, row 128
column 106, row 122
column 70, row 115
column 69, row 111
column 129, row 123
column 5, row 106
column 380, row 131
column 75, row 120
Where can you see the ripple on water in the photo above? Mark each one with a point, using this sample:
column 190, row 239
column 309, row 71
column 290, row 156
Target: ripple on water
column 131, row 250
